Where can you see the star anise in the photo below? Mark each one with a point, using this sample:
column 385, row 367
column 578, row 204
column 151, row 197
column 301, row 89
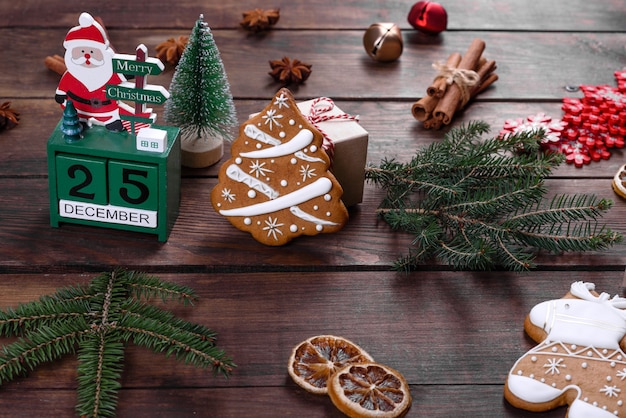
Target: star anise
column 288, row 71
column 171, row 50
column 258, row 20
column 9, row 118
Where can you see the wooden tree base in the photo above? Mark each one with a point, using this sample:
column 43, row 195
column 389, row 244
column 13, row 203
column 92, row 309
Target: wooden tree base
column 201, row 153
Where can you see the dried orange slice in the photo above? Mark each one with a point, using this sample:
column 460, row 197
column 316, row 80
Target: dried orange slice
column 370, row 390
column 314, row 360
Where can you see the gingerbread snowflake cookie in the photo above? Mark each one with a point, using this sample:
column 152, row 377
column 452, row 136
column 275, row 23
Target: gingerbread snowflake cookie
column 579, row 360
column 277, row 184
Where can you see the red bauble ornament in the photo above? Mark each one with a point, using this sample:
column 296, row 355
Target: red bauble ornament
column 428, row 17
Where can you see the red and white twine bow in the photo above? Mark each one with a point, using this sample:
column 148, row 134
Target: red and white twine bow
column 319, row 113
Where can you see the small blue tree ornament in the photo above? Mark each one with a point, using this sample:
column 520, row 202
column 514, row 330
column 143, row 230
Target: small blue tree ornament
column 71, row 126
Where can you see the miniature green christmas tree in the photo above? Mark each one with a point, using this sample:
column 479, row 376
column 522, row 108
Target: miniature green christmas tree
column 97, row 321
column 479, row 203
column 71, row 127
column 200, row 102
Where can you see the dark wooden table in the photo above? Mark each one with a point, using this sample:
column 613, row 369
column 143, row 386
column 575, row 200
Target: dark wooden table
column 453, row 334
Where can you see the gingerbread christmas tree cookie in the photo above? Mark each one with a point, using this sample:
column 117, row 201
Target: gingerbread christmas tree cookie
column 277, row 184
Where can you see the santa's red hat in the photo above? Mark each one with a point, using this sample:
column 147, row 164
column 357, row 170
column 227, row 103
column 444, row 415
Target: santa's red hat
column 88, row 33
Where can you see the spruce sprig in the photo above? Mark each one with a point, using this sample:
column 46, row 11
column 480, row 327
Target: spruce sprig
column 96, row 322
column 478, row 204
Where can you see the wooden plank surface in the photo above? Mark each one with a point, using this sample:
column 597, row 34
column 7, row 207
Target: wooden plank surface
column 501, row 15
column 270, row 402
column 453, row 334
column 259, row 318
column 393, row 133
column 202, row 239
column 532, row 66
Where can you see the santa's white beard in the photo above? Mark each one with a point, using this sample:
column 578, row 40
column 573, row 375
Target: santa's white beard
column 92, row 77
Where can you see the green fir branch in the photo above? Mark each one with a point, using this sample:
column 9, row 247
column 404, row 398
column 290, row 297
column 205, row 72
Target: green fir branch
column 100, row 364
column 476, row 203
column 71, row 302
column 97, row 322
column 14, row 322
column 143, row 312
column 44, row 345
column 184, row 347
column 148, row 287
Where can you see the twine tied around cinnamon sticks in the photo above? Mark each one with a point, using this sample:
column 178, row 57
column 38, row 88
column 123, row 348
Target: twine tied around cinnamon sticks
column 463, row 78
column 458, row 81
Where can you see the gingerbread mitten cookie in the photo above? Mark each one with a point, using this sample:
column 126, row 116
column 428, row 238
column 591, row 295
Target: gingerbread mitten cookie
column 579, row 361
column 277, row 184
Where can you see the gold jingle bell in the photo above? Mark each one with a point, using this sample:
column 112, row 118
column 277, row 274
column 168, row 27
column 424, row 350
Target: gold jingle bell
column 383, row 42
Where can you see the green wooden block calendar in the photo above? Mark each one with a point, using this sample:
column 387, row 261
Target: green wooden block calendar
column 108, row 179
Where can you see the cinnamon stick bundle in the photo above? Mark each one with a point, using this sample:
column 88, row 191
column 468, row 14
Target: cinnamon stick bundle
column 458, row 81
column 423, row 109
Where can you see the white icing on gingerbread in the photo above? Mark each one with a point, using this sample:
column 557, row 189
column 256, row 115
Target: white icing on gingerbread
column 237, row 174
column 304, row 194
column 228, row 195
column 281, row 101
column 272, row 118
column 255, row 133
column 590, row 320
column 309, row 218
column 301, row 155
column 299, row 141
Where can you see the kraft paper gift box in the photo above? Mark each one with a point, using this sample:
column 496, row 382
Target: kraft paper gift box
column 349, row 149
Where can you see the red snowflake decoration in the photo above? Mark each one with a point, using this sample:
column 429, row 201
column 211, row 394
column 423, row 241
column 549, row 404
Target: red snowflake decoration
column 552, row 128
column 590, row 127
column 598, row 119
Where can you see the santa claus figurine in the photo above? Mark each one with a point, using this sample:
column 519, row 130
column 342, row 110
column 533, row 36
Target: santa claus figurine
column 89, row 61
